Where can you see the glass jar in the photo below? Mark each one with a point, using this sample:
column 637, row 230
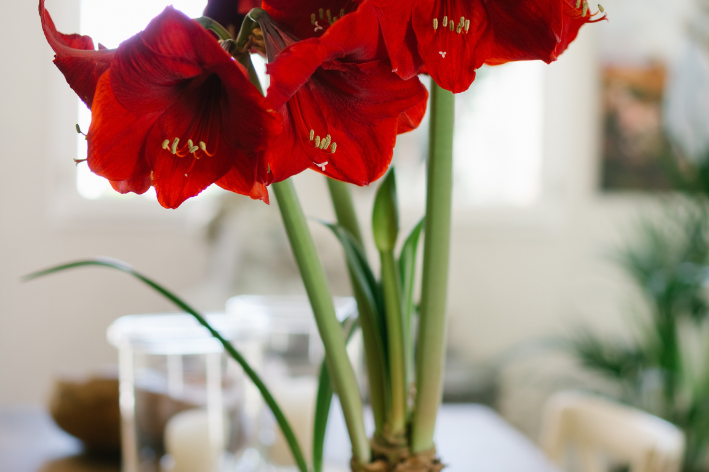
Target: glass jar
column 292, row 356
column 185, row 405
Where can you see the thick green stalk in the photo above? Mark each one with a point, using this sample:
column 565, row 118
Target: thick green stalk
column 344, row 207
column 396, row 420
column 341, row 197
column 318, row 289
column 432, row 324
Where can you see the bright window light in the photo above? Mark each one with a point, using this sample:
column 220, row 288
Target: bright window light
column 498, row 141
column 110, row 23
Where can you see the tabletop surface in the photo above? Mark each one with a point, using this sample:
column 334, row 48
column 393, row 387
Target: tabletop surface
column 470, row 438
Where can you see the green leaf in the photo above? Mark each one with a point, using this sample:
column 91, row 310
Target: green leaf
column 248, row 370
column 407, row 268
column 407, row 276
column 370, row 304
column 385, row 214
column 323, row 400
column 211, row 25
column 362, row 272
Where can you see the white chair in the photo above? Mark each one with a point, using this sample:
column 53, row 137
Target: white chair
column 600, row 429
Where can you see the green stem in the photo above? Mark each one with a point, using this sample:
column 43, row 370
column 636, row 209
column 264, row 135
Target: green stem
column 432, row 324
column 318, row 289
column 373, row 346
column 344, row 207
column 395, row 342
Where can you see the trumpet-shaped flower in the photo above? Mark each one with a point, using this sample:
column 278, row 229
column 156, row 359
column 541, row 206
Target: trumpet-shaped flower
column 173, row 110
column 341, row 103
column 453, row 38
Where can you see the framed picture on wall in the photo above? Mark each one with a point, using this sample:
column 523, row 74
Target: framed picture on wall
column 650, row 79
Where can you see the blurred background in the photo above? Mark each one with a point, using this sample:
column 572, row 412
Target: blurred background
column 580, row 250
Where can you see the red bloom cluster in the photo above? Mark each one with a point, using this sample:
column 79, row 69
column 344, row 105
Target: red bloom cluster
column 451, row 39
column 171, row 109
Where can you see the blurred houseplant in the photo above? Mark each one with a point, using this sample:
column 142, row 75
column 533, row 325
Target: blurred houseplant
column 665, row 368
column 178, row 107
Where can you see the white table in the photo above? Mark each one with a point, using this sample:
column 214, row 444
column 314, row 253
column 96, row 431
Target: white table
column 469, row 438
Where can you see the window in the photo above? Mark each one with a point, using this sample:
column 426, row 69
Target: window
column 498, row 141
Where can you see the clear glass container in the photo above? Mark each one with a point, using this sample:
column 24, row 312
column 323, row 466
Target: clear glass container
column 292, row 356
column 185, row 405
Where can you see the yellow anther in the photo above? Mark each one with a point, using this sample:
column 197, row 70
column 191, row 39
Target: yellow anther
column 328, row 140
column 467, row 25
column 202, row 146
column 445, row 21
column 578, row 4
column 451, row 25
column 333, row 148
column 342, row 12
column 312, row 134
column 190, row 144
column 461, row 21
column 334, row 19
column 601, row 9
column 322, row 14
column 459, row 29
column 173, row 149
column 166, row 144
column 435, row 23
column 329, row 17
column 585, row 8
column 194, row 149
column 312, row 19
column 317, row 141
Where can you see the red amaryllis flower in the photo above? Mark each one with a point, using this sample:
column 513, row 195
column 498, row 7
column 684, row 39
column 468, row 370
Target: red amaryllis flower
column 341, row 104
column 455, row 37
column 175, row 111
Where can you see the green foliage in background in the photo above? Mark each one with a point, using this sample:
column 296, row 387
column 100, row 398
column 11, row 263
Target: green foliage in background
column 665, row 368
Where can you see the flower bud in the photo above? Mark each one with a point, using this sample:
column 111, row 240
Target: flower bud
column 385, row 215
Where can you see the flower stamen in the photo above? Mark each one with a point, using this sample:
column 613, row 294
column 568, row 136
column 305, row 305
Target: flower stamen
column 445, row 21
column 435, row 23
column 175, row 143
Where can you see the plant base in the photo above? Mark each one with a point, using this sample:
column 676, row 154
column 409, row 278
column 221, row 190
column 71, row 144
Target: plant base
column 399, row 459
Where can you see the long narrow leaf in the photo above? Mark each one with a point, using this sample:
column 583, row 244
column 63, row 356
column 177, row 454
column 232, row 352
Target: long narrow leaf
column 250, row 372
column 407, row 268
column 370, row 305
column 323, row 401
column 407, row 273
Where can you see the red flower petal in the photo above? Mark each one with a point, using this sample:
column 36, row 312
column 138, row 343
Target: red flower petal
column 395, row 20
column 308, row 18
column 239, row 178
column 521, row 30
column 116, row 138
column 152, row 68
column 75, row 58
column 139, row 185
column 411, row 118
